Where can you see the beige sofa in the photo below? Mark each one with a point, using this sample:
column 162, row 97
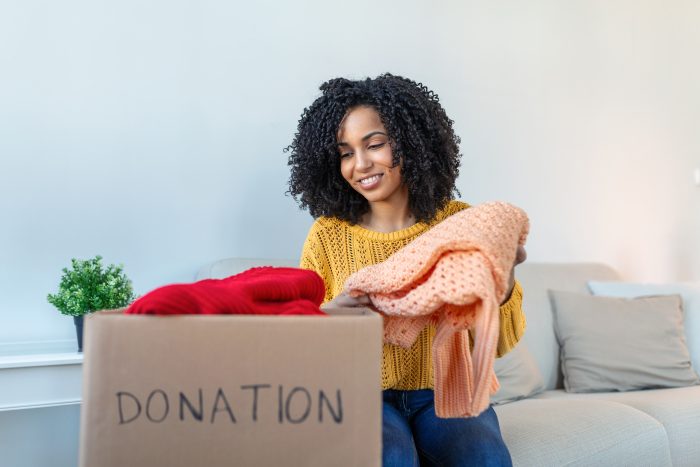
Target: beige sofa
column 657, row 427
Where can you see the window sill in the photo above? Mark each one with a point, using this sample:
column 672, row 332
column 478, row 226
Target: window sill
column 40, row 380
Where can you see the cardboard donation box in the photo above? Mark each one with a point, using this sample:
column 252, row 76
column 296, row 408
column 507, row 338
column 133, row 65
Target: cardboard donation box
column 231, row 390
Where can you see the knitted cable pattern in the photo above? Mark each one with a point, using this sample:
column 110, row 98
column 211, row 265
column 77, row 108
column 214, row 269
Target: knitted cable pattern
column 454, row 275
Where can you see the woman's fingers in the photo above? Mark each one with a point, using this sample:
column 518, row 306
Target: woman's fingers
column 363, row 300
column 346, row 300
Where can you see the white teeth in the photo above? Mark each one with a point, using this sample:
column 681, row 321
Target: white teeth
column 370, row 180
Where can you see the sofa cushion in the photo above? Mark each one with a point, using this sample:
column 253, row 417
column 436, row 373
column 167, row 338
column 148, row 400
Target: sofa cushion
column 618, row 344
column 518, row 375
column 676, row 408
column 581, row 433
column 691, row 305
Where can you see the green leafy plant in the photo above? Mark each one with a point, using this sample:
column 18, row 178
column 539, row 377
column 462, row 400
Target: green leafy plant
column 89, row 287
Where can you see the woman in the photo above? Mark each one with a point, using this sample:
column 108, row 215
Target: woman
column 375, row 162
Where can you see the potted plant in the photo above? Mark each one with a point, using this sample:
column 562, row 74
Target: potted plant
column 89, row 287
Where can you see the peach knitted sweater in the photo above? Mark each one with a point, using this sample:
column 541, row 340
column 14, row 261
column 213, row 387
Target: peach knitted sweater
column 454, row 275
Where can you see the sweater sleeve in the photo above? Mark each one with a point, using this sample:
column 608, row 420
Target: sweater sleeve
column 313, row 257
column 513, row 322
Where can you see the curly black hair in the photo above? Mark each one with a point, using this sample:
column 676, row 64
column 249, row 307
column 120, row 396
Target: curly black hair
column 419, row 131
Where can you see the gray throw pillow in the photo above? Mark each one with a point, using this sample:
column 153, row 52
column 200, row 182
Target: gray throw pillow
column 690, row 292
column 518, row 375
column 619, row 344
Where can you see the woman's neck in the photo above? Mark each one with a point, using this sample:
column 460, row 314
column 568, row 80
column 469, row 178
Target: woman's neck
column 388, row 216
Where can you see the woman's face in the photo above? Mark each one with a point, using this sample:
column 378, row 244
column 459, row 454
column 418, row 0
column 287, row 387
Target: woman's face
column 366, row 158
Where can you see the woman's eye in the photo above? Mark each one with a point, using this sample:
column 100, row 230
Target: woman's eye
column 376, row 146
column 345, row 154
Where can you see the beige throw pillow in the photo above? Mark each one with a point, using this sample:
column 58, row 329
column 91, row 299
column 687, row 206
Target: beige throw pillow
column 619, row 344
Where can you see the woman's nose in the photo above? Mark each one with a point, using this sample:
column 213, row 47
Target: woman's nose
column 362, row 160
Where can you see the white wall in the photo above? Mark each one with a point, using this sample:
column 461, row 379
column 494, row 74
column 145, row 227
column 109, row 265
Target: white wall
column 40, row 437
column 152, row 132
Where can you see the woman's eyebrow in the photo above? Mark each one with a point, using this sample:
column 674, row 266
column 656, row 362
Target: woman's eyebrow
column 364, row 138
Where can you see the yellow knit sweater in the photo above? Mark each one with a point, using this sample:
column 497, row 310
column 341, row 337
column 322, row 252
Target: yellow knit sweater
column 335, row 249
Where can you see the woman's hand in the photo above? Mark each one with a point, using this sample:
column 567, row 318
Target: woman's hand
column 346, row 301
column 520, row 256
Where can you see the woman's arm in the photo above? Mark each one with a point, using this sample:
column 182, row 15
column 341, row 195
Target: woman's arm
column 313, row 257
column 520, row 256
column 512, row 318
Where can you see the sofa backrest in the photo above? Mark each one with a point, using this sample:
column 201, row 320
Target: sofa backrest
column 536, row 279
column 230, row 266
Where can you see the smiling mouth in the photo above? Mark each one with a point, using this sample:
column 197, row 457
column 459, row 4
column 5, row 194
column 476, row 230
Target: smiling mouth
column 370, row 180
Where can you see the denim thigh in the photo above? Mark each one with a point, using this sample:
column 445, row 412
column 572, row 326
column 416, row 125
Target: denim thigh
column 473, row 441
column 398, row 447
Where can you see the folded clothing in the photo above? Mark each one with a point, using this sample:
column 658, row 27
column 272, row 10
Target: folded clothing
column 257, row 291
column 454, row 275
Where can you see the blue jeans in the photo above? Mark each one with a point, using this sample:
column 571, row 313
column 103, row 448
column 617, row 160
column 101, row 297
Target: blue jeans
column 412, row 434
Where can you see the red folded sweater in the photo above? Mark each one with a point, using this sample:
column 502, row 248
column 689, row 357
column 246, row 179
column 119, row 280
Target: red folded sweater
column 257, row 291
